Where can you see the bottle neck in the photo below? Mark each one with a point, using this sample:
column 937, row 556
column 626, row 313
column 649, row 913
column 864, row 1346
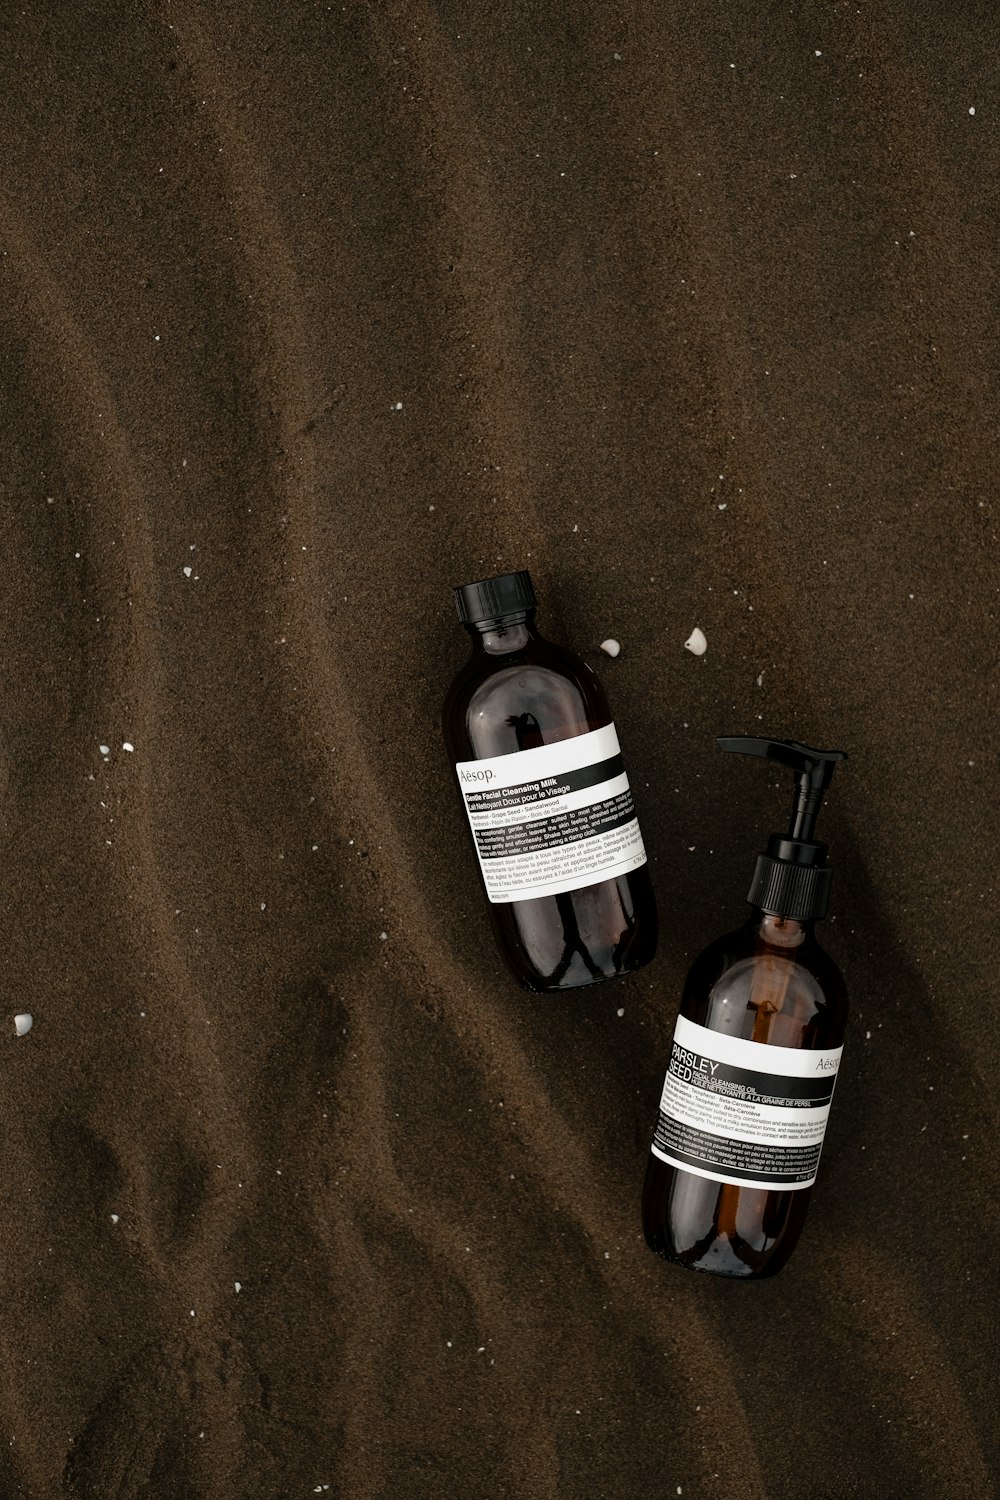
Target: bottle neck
column 783, row 933
column 503, row 637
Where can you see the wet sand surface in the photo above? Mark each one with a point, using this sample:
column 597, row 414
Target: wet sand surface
column 309, row 312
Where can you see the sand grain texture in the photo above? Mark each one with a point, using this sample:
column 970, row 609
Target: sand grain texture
column 307, row 313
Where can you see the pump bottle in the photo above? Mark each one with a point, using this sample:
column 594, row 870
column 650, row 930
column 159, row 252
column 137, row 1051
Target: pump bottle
column 755, row 1055
column 543, row 783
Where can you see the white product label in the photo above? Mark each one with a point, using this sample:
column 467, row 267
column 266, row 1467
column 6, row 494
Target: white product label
column 744, row 1112
column 552, row 819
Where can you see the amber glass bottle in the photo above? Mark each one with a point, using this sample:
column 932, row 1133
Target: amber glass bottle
column 539, row 767
column 754, row 1061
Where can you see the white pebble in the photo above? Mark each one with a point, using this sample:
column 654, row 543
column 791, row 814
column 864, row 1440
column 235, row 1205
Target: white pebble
column 187, row 572
column 621, row 1010
column 398, row 406
column 696, row 642
column 23, row 1023
column 972, row 111
column 114, row 1218
column 610, row 647
column 238, row 1285
column 382, row 937
column 128, row 745
column 104, row 749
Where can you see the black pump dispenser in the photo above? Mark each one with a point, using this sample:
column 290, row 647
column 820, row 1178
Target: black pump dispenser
column 793, row 879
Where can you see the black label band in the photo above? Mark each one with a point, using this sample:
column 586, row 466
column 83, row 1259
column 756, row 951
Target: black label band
column 529, row 792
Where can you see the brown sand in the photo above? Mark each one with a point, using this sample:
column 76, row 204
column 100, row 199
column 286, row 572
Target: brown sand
column 617, row 283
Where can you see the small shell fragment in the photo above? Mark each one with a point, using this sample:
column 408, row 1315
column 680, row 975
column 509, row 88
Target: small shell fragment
column 610, row 647
column 696, row 642
column 23, row 1023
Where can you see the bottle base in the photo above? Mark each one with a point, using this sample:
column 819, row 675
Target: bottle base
column 728, row 1272
column 564, row 986
column 580, row 937
column 723, row 1258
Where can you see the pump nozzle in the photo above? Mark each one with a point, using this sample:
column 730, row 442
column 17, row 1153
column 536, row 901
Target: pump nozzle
column 791, row 879
column 814, row 770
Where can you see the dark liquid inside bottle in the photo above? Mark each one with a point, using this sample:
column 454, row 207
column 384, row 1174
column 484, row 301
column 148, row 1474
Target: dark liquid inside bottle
column 519, row 692
column 768, row 982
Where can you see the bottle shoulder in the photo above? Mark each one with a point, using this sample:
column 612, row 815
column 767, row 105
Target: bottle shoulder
column 536, row 695
column 785, row 996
